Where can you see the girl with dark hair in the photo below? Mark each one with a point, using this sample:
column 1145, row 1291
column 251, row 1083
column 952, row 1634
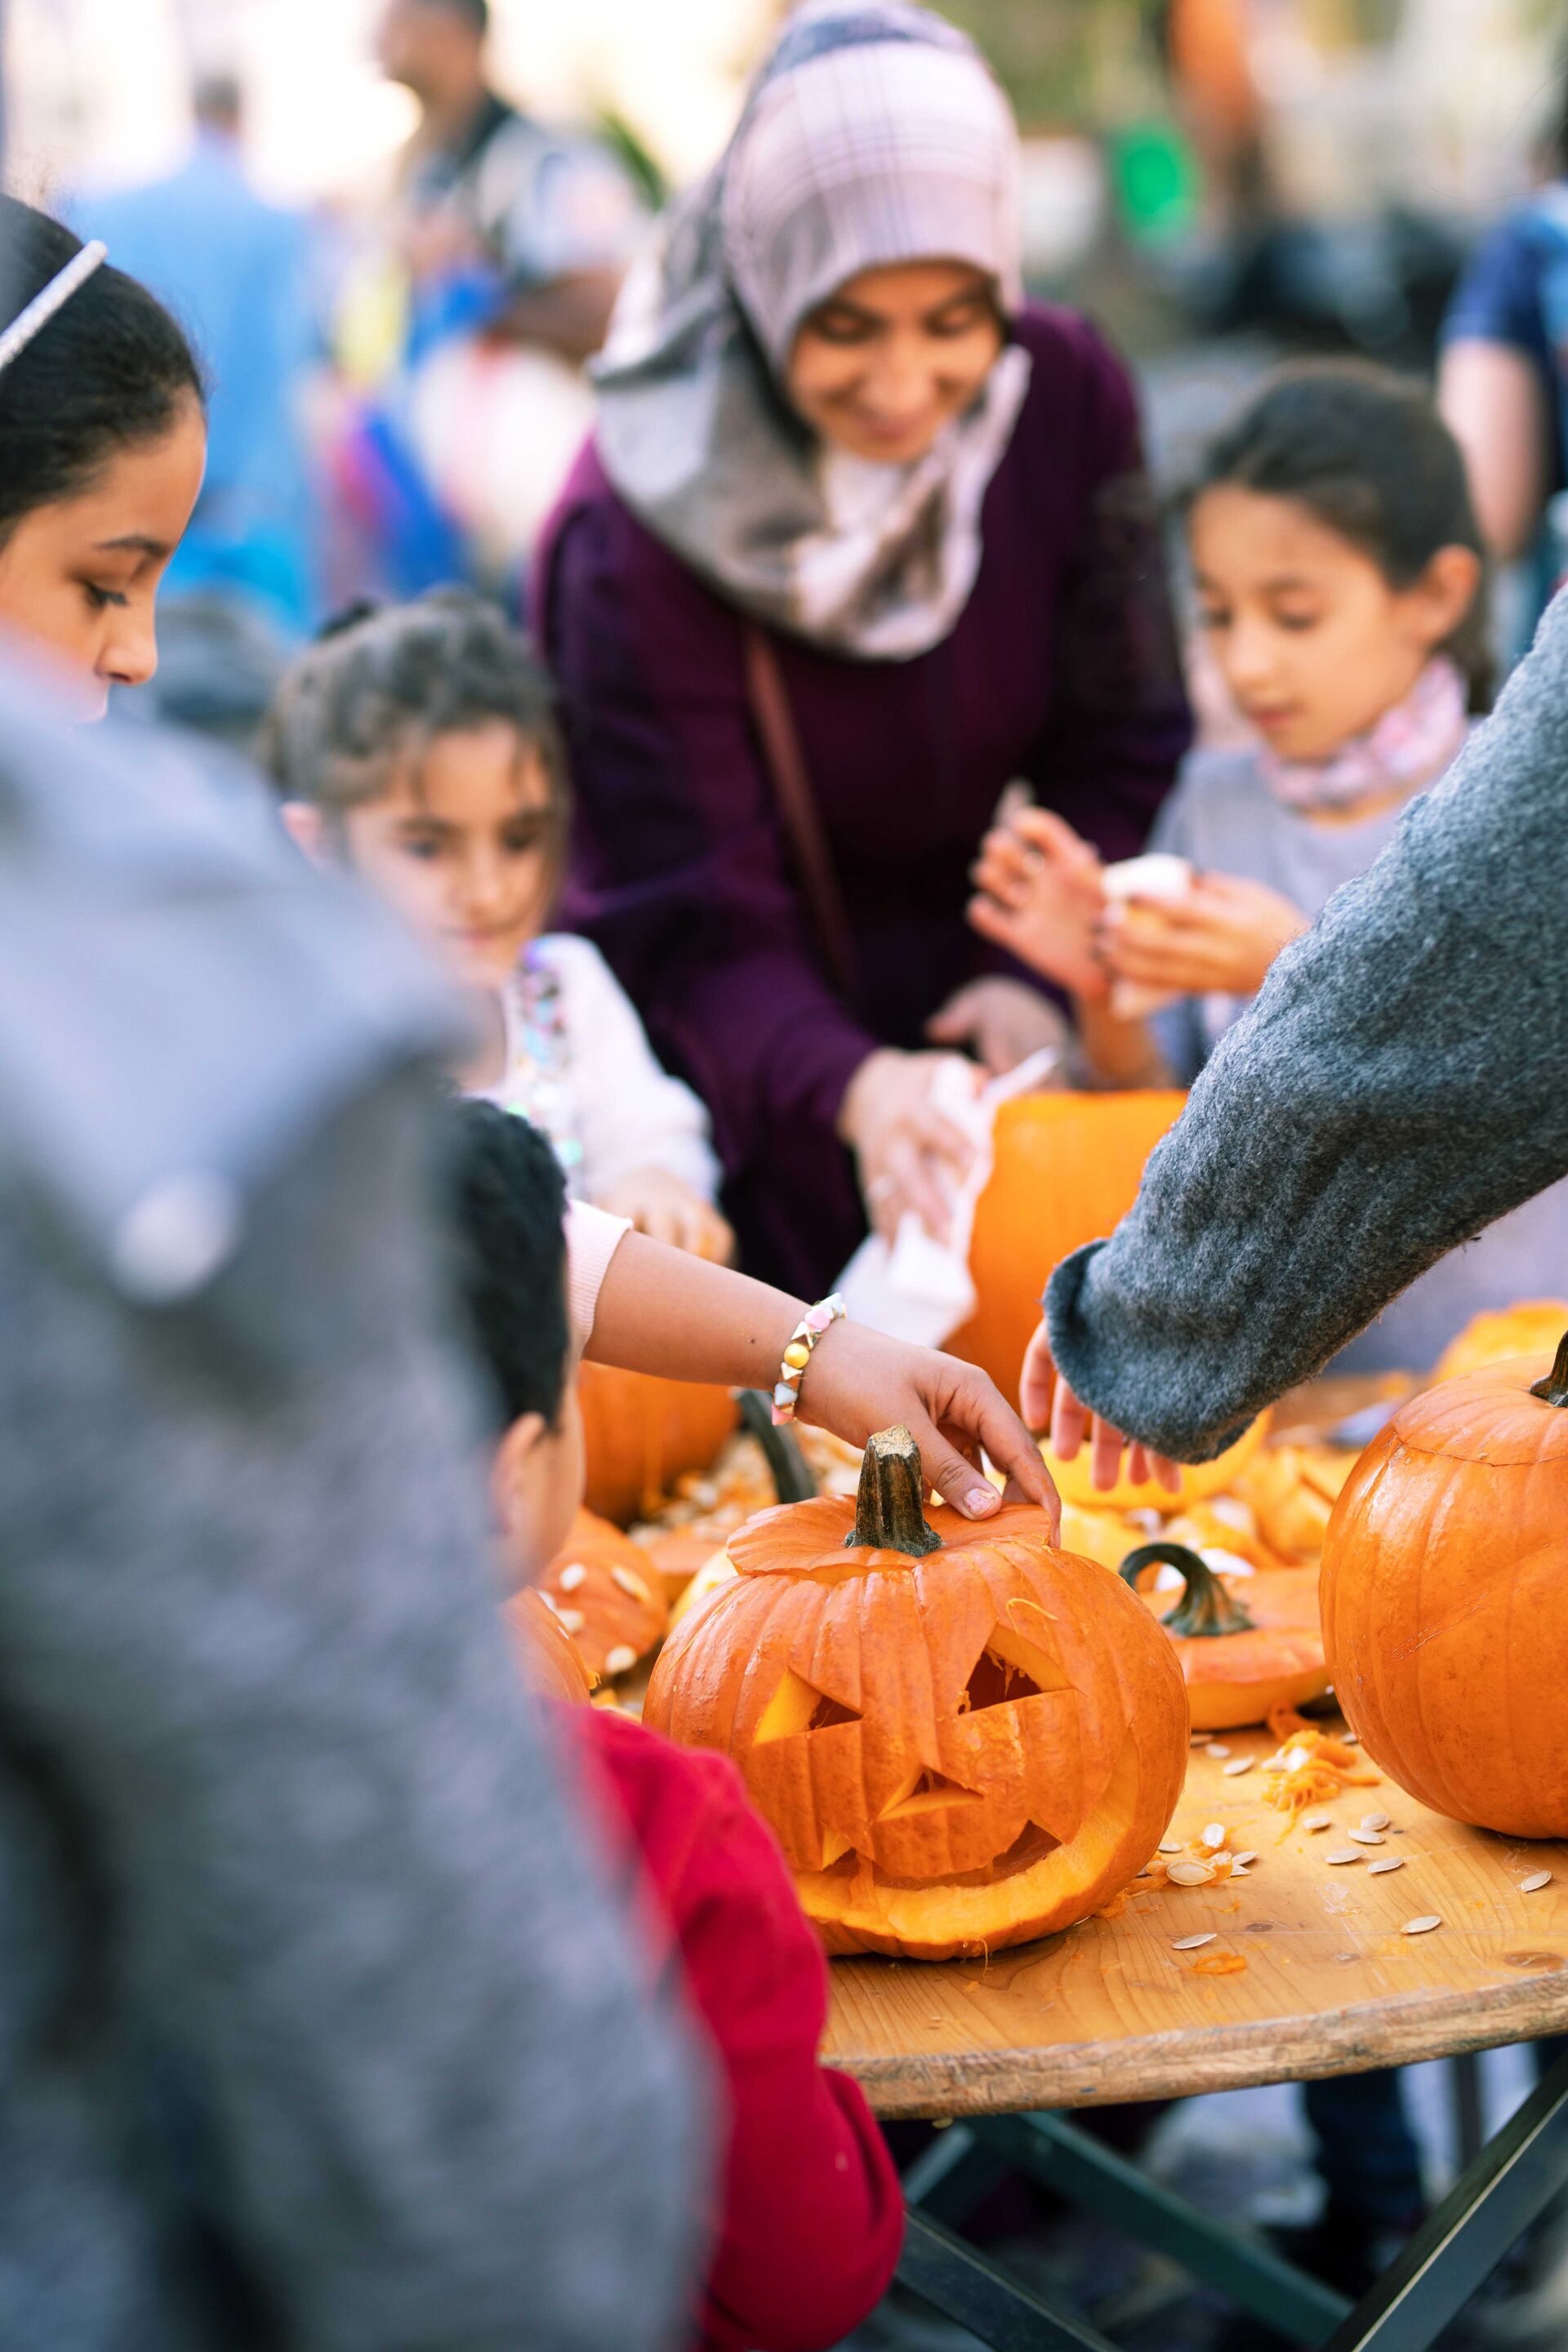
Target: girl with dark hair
column 103, row 430
column 418, row 745
column 1339, row 576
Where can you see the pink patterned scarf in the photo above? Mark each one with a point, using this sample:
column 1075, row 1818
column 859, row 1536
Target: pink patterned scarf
column 1410, row 746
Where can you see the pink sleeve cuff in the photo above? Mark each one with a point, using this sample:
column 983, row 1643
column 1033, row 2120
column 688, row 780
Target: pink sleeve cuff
column 593, row 1237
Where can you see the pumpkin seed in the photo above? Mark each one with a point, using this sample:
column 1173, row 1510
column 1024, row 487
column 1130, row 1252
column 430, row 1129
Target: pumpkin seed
column 573, row 1619
column 1190, row 1943
column 1422, row 1926
column 1350, row 1739
column 1387, row 1862
column 1317, row 1822
column 1239, row 1871
column 1537, row 1879
column 1237, row 1765
column 1240, row 1861
column 1170, row 1845
column 1189, row 1874
column 1217, row 1749
column 550, row 1602
column 1342, row 1853
column 1213, row 1834
column 1374, row 1821
column 1366, row 1837
column 630, row 1581
column 1295, row 1759
column 621, row 1659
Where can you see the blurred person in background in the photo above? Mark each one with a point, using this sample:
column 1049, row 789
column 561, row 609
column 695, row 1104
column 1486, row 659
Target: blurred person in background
column 862, row 539
column 498, row 264
column 1502, row 385
column 233, row 269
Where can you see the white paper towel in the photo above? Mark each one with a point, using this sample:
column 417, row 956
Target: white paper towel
column 920, row 1288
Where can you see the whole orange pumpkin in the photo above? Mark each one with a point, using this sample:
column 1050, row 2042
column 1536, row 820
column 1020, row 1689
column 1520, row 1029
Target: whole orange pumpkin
column 551, row 1658
column 607, row 1594
column 640, row 1434
column 1246, row 1644
column 962, row 1737
column 1066, row 1169
column 1444, row 1597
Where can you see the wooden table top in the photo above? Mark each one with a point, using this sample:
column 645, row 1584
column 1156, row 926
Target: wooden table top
column 1109, row 2010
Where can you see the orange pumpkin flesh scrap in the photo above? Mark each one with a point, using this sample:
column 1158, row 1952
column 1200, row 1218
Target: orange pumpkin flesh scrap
column 640, row 1434
column 1246, row 1644
column 958, row 1748
column 1446, row 1598
column 606, row 1592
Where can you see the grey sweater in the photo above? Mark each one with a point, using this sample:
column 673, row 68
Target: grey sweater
column 319, row 2026
column 1400, row 1081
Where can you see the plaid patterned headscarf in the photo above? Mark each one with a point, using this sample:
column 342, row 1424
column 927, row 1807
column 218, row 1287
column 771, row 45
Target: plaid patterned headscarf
column 873, row 134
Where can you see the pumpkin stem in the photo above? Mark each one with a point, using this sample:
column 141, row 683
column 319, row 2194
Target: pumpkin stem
column 1205, row 1607
column 1554, row 1389
column 887, row 1504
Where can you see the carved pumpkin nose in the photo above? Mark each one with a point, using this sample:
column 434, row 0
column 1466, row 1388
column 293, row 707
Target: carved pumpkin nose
column 961, row 1736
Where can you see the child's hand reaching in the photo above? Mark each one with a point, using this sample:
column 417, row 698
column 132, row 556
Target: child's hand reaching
column 1039, row 896
column 1220, row 936
column 665, row 1209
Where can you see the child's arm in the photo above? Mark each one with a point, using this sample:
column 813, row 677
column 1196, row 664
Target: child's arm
column 661, row 1311
column 812, row 2218
column 1041, row 896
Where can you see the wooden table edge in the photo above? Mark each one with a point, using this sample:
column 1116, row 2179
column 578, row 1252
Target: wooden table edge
column 1401, row 2032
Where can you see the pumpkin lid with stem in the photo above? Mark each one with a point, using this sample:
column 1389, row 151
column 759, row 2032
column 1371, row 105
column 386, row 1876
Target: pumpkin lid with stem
column 892, row 1531
column 1207, row 1608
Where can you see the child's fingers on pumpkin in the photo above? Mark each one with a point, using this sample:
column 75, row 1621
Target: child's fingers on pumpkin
column 1105, row 1460
column 1036, row 1383
column 977, row 1407
column 1069, row 1420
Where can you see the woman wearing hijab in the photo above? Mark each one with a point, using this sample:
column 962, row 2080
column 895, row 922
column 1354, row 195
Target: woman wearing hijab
column 860, row 541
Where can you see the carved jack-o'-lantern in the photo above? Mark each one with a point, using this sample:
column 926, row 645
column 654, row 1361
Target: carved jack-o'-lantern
column 962, row 1737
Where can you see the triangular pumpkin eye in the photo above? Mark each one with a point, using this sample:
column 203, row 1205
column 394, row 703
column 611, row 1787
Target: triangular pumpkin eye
column 930, row 1790
column 1007, row 1669
column 797, row 1706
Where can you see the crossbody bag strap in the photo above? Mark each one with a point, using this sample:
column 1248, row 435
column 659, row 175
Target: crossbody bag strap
column 768, row 698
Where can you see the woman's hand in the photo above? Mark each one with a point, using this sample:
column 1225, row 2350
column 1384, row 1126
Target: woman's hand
column 1220, row 937
column 666, row 1209
column 1002, row 1021
column 910, row 1156
column 1039, row 896
column 1047, row 1401
column 859, row 1381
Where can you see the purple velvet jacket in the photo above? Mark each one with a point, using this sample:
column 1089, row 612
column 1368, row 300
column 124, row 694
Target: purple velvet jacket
column 1061, row 670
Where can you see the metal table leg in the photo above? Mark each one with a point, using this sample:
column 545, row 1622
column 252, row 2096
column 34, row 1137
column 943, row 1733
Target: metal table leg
column 963, row 2285
column 1064, row 2157
column 1488, row 2209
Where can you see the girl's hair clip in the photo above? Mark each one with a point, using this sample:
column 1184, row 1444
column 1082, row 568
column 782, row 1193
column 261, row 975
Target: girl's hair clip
column 54, row 297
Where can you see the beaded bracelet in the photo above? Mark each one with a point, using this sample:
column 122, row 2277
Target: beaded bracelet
column 797, row 1355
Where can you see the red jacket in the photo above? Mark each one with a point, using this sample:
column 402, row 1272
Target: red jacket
column 813, row 2219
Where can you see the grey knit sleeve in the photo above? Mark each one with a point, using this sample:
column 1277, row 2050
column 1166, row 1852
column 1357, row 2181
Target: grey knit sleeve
column 1400, row 1082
